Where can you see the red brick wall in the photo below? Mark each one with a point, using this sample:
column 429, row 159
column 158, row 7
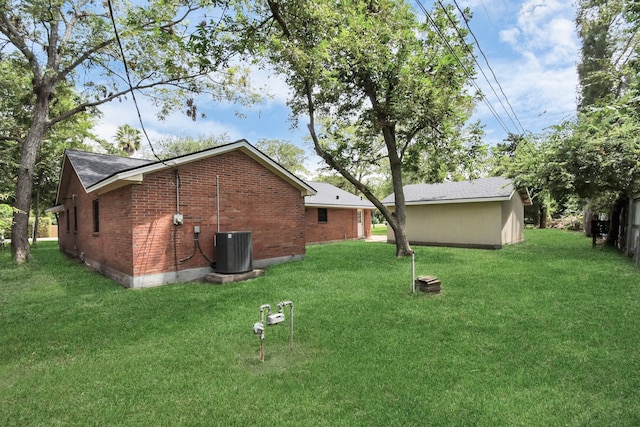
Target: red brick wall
column 341, row 224
column 136, row 222
column 252, row 198
column 111, row 246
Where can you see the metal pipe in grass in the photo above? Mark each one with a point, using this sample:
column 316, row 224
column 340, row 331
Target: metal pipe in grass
column 290, row 304
column 413, row 273
column 258, row 328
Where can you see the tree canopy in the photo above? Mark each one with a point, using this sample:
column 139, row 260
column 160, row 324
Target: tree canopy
column 80, row 44
column 128, row 139
column 595, row 156
column 287, row 154
column 399, row 85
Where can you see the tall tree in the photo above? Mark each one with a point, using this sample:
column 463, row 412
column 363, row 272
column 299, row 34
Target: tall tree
column 15, row 117
column 606, row 120
column 287, row 154
column 128, row 139
column 598, row 22
column 174, row 146
column 372, row 66
column 74, row 42
column 523, row 157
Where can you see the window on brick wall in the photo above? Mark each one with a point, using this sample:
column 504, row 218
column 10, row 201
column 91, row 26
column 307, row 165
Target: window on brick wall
column 75, row 219
column 96, row 216
column 68, row 222
column 322, row 215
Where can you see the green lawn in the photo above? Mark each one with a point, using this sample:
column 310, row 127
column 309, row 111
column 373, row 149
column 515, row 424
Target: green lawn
column 379, row 229
column 544, row 333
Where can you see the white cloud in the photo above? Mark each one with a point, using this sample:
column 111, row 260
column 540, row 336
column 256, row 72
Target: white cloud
column 536, row 65
column 510, row 36
column 547, row 26
column 539, row 95
column 274, row 85
column 116, row 114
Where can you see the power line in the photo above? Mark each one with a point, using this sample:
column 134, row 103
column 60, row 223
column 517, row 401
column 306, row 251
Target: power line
column 464, row 68
column 453, row 24
column 481, row 69
column 490, row 68
column 126, row 71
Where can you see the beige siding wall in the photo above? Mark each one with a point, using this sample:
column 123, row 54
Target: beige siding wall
column 455, row 224
column 512, row 221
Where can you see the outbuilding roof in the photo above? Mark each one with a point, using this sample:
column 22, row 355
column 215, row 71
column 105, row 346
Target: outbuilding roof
column 330, row 196
column 104, row 172
column 477, row 190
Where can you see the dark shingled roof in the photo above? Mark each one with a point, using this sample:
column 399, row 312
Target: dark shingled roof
column 331, row 196
column 93, row 167
column 484, row 188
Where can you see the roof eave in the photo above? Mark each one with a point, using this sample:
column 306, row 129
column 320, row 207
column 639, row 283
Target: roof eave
column 454, row 201
column 136, row 176
column 526, row 197
column 327, row 205
column 55, row 209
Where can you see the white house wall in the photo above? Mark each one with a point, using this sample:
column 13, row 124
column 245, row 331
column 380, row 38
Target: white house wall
column 459, row 224
column 512, row 221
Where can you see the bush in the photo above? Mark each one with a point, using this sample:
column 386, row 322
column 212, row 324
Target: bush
column 5, row 211
column 572, row 222
column 5, row 227
column 44, row 226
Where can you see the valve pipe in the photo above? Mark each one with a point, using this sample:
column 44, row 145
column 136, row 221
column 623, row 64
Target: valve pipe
column 413, row 273
column 262, row 308
column 280, row 307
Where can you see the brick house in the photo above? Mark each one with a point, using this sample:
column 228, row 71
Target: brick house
column 334, row 214
column 136, row 220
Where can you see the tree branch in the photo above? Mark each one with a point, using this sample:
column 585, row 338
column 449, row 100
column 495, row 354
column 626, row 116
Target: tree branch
column 275, row 10
column 8, row 29
column 62, row 74
column 111, row 97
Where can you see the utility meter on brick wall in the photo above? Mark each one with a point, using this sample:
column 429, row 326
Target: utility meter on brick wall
column 178, row 219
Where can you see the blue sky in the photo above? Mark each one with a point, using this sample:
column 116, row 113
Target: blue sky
column 531, row 46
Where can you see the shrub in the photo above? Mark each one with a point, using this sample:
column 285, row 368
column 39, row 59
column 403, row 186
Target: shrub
column 5, row 211
column 5, row 227
column 572, row 222
column 44, row 227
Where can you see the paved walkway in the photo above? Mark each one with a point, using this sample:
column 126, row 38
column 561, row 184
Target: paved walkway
column 376, row 238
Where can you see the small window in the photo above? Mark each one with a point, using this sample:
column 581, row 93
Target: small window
column 75, row 219
column 322, row 214
column 96, row 216
column 68, row 222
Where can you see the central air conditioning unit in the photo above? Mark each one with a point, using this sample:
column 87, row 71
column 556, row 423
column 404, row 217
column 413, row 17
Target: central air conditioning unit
column 233, row 252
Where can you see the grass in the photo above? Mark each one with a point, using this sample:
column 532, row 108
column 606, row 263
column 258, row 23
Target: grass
column 542, row 333
column 379, row 229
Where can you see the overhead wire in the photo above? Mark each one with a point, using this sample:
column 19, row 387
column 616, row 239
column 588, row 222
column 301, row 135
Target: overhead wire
column 129, row 83
column 476, row 61
column 464, row 68
column 490, row 69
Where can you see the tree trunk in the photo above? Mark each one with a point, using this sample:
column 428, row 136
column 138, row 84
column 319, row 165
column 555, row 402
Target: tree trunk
column 543, row 216
column 615, row 231
column 588, row 216
column 20, row 229
column 396, row 220
column 400, row 215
